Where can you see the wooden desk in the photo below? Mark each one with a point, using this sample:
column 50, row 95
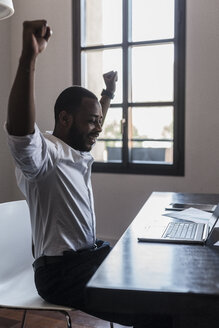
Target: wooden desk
column 181, row 280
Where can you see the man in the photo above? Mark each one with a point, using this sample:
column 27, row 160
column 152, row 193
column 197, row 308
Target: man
column 53, row 172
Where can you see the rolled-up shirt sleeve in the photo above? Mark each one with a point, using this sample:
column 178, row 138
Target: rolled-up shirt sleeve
column 30, row 153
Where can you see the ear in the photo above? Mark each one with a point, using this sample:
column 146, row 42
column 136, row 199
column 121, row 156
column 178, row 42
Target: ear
column 65, row 118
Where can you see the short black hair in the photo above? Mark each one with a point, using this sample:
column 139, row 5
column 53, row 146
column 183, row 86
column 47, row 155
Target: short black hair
column 70, row 99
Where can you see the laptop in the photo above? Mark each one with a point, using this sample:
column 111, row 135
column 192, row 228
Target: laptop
column 184, row 232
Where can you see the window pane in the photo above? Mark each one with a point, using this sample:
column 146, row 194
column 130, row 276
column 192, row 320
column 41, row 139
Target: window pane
column 152, row 73
column 152, row 152
column 97, row 62
column 112, row 124
column 152, row 122
column 151, row 134
column 152, row 19
column 102, row 22
column 110, row 149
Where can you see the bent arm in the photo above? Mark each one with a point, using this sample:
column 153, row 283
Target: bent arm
column 21, row 106
column 105, row 104
column 110, row 80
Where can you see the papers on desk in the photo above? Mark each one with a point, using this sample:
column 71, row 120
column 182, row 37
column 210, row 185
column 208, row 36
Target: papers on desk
column 190, row 214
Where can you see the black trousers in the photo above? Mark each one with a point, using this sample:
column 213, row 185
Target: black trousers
column 63, row 282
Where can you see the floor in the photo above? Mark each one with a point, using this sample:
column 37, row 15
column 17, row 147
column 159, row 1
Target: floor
column 47, row 319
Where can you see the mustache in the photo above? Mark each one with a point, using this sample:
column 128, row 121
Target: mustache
column 93, row 135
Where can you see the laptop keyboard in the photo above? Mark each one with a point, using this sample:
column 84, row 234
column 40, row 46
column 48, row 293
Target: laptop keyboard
column 180, row 230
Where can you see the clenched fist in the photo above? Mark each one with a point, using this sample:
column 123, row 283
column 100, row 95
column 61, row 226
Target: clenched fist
column 36, row 35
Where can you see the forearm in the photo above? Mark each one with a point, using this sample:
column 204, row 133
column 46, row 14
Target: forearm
column 21, row 107
column 110, row 79
column 105, row 104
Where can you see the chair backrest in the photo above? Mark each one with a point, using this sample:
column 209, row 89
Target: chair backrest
column 15, row 239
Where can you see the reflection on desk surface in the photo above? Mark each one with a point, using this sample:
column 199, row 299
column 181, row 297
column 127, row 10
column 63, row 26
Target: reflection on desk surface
column 179, row 207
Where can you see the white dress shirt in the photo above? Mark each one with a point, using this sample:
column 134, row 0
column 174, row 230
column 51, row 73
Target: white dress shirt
column 55, row 180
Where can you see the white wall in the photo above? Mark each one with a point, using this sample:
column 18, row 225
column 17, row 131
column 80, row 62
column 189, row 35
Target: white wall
column 6, row 176
column 119, row 197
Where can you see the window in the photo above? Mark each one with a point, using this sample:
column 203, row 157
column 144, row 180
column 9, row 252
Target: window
column 144, row 40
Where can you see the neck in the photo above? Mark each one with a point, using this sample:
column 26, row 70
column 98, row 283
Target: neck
column 58, row 133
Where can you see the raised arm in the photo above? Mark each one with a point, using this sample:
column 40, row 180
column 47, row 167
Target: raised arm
column 21, row 106
column 110, row 80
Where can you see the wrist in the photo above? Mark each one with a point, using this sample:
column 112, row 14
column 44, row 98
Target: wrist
column 107, row 93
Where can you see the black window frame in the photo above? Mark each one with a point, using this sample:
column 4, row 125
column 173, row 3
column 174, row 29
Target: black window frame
column 177, row 167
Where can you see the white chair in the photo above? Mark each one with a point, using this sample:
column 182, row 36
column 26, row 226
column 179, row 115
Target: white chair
column 17, row 288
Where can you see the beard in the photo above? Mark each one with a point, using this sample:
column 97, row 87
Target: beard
column 77, row 140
